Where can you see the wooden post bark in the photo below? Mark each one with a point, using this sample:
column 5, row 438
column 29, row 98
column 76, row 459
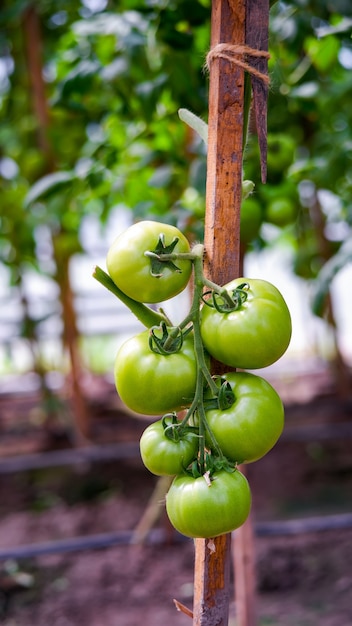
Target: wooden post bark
column 234, row 22
column 245, row 580
column 222, row 263
column 225, row 145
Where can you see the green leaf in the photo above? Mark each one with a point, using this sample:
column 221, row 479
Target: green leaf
column 80, row 79
column 48, row 185
column 323, row 52
column 327, row 273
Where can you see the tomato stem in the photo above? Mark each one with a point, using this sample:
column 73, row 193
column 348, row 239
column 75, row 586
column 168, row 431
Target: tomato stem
column 203, row 374
column 143, row 313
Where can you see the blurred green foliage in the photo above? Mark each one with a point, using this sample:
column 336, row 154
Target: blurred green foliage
column 115, row 75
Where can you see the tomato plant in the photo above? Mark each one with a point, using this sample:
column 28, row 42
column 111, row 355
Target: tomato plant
column 235, row 418
column 250, row 427
column 253, row 333
column 143, row 278
column 165, row 449
column 154, row 383
column 208, row 506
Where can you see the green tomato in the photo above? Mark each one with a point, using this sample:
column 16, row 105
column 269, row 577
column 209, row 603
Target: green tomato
column 256, row 334
column 251, row 219
column 286, row 188
column 199, row 509
column 281, row 212
column 281, row 152
column 131, row 270
column 151, row 383
column 248, row 429
column 163, row 455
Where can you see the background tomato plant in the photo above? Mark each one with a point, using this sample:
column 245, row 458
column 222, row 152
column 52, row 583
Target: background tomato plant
column 102, row 135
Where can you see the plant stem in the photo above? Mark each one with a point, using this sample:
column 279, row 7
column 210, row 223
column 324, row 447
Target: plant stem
column 143, row 313
column 203, row 373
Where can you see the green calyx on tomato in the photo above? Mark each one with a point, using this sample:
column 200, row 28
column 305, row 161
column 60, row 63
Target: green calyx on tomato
column 149, row 278
column 208, row 506
column 164, row 340
column 252, row 335
column 166, row 448
column 152, row 383
column 224, row 399
column 228, row 300
column 157, row 263
column 251, row 426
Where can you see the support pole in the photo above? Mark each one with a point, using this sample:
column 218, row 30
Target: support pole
column 225, row 145
column 212, row 590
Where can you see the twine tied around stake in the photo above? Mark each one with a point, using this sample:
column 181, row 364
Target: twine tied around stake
column 232, row 52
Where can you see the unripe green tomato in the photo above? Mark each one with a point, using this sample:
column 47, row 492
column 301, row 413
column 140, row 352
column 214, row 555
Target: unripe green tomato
column 281, row 152
column 284, row 189
column 248, row 429
column 130, row 269
column 281, row 212
column 199, row 509
column 164, row 456
column 256, row 334
column 251, row 219
column 151, row 383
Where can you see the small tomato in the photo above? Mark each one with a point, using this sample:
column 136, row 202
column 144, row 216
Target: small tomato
column 281, row 212
column 163, row 454
column 281, row 152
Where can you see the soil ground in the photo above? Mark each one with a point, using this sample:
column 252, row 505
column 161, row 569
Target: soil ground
column 303, row 579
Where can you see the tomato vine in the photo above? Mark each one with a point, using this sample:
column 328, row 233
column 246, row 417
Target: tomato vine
column 166, row 369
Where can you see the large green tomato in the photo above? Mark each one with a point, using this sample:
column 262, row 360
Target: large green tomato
column 165, row 456
column 256, row 334
column 197, row 509
column 132, row 271
column 248, row 429
column 154, row 384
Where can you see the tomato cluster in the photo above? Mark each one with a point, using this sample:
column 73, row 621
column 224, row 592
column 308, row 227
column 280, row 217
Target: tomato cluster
column 207, row 425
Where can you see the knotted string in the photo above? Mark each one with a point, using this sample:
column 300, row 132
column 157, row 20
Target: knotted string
column 232, row 52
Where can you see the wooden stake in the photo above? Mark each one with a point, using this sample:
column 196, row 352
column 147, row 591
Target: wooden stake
column 222, row 261
column 237, row 23
column 212, row 581
column 245, row 581
column 225, row 145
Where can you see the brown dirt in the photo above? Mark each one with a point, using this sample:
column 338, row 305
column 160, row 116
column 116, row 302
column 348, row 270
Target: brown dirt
column 302, row 580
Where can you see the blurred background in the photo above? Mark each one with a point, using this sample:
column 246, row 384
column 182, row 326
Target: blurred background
column 91, row 141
